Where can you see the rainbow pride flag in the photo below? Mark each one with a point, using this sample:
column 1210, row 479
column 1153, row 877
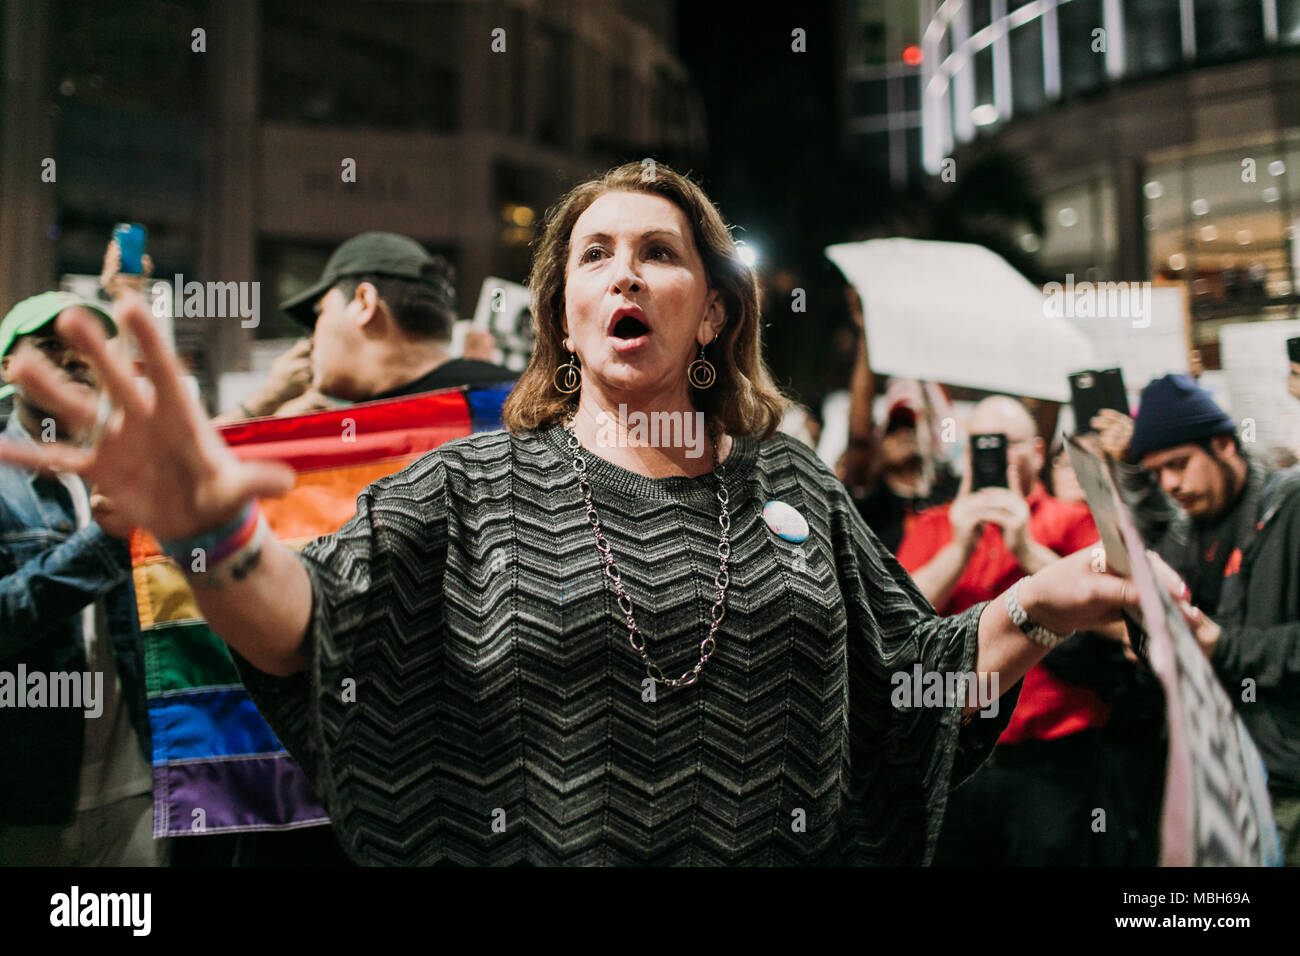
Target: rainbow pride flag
column 217, row 767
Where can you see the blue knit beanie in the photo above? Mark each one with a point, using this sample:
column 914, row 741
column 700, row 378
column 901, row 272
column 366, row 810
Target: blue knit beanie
column 1176, row 411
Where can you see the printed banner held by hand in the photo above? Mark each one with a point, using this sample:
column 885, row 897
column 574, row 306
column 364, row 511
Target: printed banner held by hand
column 1216, row 809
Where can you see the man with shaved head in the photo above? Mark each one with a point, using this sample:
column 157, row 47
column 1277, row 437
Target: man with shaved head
column 942, row 555
column 1031, row 804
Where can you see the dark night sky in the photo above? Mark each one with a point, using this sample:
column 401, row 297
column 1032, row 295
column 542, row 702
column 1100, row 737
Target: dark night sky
column 774, row 165
column 740, row 56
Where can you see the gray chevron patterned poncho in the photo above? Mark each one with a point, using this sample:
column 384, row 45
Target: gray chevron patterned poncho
column 473, row 699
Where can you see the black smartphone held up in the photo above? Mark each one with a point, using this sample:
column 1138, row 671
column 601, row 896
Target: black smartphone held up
column 1091, row 391
column 1293, row 350
column 988, row 461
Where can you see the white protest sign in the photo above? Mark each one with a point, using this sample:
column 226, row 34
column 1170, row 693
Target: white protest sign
column 1144, row 342
column 957, row 313
column 504, row 310
column 1216, row 383
column 1216, row 809
column 1255, row 364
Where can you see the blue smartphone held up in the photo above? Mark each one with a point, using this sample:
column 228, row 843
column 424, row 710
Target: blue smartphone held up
column 130, row 240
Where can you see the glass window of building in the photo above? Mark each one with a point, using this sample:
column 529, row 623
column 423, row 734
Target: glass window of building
column 335, row 63
column 1168, row 254
column 874, row 148
column 1247, row 252
column 985, row 111
column 869, row 43
column 1226, row 234
column 593, row 87
column 287, row 268
column 1026, row 42
column 620, row 99
column 123, row 56
column 1238, row 237
column 1165, row 220
column 951, row 109
column 911, row 83
column 1288, row 22
column 1227, row 184
column 1083, row 68
column 1106, row 238
column 1081, row 231
column 106, row 177
column 1228, row 28
column 1162, row 190
column 1286, row 182
column 294, row 85
column 518, row 74
column 521, row 192
column 673, row 111
column 1152, row 36
column 379, row 88
column 870, row 97
column 912, row 138
column 1069, row 239
column 551, row 82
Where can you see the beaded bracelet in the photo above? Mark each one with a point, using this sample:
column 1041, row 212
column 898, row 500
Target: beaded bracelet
column 227, row 553
column 1020, row 618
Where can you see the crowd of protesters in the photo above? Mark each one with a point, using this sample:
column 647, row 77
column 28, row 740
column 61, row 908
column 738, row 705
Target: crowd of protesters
column 1088, row 730
column 76, row 791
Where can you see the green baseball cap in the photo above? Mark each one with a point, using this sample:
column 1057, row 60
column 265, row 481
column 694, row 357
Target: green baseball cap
column 33, row 314
column 379, row 254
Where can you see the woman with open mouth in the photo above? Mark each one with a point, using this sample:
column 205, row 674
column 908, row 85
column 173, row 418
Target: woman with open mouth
column 683, row 660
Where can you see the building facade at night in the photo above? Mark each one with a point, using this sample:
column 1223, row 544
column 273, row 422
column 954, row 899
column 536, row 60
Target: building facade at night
column 463, row 120
column 882, row 76
column 1163, row 134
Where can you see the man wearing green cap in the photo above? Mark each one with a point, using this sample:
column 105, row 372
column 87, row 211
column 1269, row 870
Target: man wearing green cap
column 382, row 314
column 75, row 783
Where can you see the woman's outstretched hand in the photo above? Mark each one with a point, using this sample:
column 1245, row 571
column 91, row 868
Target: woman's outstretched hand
column 157, row 459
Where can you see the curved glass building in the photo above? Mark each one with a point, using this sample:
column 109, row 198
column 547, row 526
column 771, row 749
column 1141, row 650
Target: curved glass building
column 1165, row 135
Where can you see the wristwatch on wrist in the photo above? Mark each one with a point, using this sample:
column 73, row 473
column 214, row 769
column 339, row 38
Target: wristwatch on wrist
column 1032, row 630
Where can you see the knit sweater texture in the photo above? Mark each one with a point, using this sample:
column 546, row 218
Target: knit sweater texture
column 472, row 697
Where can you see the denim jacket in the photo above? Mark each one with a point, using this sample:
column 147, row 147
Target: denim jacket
column 49, row 572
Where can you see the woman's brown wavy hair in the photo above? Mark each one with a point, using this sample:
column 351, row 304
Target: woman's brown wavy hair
column 744, row 399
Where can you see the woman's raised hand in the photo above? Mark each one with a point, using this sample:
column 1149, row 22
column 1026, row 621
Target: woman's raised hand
column 157, row 458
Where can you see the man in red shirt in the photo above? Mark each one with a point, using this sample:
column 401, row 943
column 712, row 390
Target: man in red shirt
column 1033, row 803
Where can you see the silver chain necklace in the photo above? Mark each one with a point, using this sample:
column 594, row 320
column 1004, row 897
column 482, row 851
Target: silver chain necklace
column 720, row 580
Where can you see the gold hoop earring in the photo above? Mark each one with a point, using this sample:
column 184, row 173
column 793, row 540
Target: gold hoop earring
column 701, row 372
column 568, row 378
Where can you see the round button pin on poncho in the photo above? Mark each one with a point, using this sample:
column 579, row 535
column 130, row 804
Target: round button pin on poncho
column 785, row 522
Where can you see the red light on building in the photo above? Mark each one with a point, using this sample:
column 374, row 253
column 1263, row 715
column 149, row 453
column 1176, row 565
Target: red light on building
column 912, row 55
